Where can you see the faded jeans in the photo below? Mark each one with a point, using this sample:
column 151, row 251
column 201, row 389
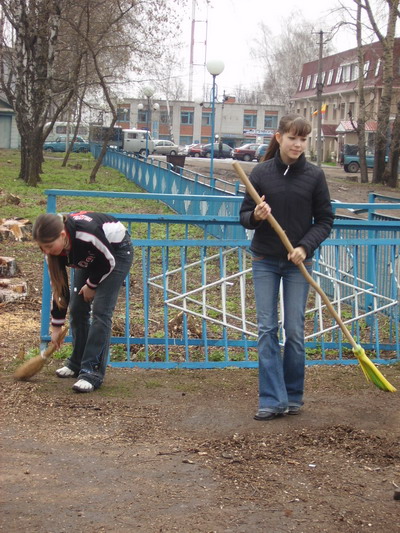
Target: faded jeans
column 91, row 334
column 281, row 376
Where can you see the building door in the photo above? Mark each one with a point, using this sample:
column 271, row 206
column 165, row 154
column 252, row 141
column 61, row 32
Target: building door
column 5, row 131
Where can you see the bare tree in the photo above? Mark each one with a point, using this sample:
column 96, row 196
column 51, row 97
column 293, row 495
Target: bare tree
column 134, row 30
column 42, row 54
column 166, row 81
column 27, row 61
column 283, row 57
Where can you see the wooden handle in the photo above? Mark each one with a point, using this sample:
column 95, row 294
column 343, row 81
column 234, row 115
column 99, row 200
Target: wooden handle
column 289, row 247
column 52, row 347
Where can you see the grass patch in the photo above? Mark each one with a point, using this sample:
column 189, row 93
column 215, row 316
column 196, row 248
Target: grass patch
column 33, row 200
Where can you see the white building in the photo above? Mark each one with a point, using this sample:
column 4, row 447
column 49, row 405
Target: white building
column 189, row 122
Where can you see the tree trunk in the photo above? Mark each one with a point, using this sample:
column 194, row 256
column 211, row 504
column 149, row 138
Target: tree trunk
column 361, row 104
column 381, row 139
column 392, row 170
column 71, row 144
column 33, row 166
column 103, row 151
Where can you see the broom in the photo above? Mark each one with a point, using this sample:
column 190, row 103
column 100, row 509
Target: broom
column 35, row 365
column 371, row 372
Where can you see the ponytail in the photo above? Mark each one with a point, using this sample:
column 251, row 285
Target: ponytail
column 47, row 228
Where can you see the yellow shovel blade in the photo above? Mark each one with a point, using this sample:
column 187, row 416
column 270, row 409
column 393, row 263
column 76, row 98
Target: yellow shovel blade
column 371, row 372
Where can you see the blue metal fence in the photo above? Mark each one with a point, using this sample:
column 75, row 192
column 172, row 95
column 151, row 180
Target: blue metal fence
column 214, row 325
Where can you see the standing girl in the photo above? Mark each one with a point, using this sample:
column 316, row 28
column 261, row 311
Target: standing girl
column 99, row 248
column 295, row 191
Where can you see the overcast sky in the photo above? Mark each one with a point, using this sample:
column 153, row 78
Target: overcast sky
column 233, row 25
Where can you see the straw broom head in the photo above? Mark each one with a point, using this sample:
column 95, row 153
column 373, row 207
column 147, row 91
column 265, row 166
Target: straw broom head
column 371, row 372
column 35, row 365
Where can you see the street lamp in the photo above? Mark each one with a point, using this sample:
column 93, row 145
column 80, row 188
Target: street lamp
column 214, row 67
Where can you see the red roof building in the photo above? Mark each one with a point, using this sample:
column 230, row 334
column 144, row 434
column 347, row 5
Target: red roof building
column 339, row 76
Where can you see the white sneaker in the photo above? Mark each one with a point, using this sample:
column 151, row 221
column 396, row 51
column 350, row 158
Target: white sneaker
column 82, row 386
column 65, row 372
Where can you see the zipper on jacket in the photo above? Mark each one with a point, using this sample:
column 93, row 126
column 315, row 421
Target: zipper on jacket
column 286, row 171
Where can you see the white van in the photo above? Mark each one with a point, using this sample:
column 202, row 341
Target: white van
column 135, row 141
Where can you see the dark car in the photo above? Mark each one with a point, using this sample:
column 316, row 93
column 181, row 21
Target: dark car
column 247, row 152
column 60, row 145
column 260, row 152
column 225, row 152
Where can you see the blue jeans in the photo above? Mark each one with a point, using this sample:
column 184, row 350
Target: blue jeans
column 281, row 377
column 91, row 335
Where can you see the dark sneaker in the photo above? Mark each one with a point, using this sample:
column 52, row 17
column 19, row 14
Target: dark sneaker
column 293, row 410
column 266, row 415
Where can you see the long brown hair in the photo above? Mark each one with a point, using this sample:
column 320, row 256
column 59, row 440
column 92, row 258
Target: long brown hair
column 295, row 124
column 46, row 229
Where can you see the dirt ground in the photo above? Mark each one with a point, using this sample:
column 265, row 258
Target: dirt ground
column 179, row 451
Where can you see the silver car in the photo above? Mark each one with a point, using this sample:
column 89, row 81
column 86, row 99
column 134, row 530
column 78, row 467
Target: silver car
column 163, row 147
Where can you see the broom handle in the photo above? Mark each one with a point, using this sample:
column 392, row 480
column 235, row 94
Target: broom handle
column 52, row 347
column 288, row 245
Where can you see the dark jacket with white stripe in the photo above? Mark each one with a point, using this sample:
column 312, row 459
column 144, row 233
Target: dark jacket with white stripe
column 299, row 198
column 93, row 238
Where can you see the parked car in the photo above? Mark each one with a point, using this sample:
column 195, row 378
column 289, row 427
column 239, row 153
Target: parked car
column 164, row 147
column 226, row 150
column 260, row 152
column 60, row 145
column 246, row 152
column 193, row 150
column 351, row 163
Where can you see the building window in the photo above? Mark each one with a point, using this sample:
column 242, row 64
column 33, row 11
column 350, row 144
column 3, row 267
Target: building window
column 339, row 75
column 123, row 114
column 164, row 116
column 314, row 82
column 250, row 121
column 330, row 77
column 346, row 73
column 206, row 118
column 301, row 83
column 378, row 64
column 342, row 111
column 366, row 69
column 185, row 139
column 354, row 72
column 142, row 116
column 271, row 121
column 308, row 82
column 187, row 117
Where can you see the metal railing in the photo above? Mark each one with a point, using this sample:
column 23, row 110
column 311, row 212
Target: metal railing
column 189, row 298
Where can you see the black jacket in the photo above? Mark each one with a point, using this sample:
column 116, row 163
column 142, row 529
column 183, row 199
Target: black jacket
column 299, row 200
column 94, row 238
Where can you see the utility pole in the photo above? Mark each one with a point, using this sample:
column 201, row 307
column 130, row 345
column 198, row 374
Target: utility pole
column 320, row 86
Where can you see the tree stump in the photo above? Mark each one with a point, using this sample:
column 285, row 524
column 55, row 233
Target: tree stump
column 17, row 229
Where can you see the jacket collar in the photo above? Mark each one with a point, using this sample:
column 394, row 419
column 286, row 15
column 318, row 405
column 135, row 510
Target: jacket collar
column 297, row 166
